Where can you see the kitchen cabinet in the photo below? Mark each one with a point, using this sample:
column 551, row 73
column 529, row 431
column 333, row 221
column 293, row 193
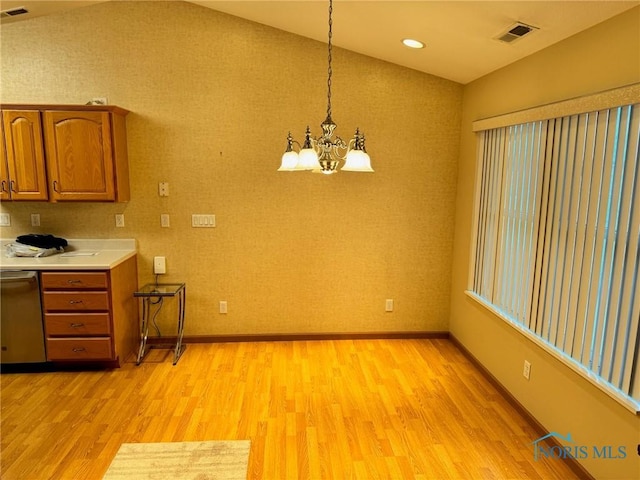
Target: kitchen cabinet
column 82, row 152
column 86, row 155
column 91, row 316
column 4, row 169
column 22, row 168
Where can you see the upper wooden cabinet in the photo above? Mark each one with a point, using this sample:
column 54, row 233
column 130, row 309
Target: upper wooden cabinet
column 23, row 175
column 85, row 151
column 4, row 170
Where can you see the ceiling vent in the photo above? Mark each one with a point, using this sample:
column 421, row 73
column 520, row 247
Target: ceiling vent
column 516, row 32
column 13, row 12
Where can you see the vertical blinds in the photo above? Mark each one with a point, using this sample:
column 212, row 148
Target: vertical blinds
column 557, row 237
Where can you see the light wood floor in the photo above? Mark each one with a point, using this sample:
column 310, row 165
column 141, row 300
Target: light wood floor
column 347, row 409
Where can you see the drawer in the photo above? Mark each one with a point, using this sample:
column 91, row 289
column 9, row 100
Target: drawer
column 75, row 301
column 81, row 324
column 79, row 349
column 73, row 280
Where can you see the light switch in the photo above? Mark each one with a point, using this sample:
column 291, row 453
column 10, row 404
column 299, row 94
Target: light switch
column 203, row 221
column 164, row 220
column 5, row 220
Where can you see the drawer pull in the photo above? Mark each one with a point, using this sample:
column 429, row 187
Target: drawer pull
column 74, row 302
column 74, row 281
column 78, row 349
column 76, row 325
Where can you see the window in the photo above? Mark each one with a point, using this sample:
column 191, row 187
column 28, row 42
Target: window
column 556, row 248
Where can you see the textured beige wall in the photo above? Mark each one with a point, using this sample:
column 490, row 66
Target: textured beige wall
column 604, row 57
column 212, row 99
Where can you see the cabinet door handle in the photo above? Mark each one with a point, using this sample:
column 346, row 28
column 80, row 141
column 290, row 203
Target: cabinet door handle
column 74, row 302
column 12, row 184
column 55, row 186
column 3, row 187
column 76, row 325
column 78, row 349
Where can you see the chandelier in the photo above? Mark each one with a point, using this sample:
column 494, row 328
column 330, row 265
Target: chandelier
column 323, row 154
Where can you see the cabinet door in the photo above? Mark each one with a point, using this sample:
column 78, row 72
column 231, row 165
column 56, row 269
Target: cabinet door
column 79, row 155
column 25, row 155
column 4, row 171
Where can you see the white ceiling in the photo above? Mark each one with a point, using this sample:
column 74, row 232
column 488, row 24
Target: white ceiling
column 460, row 35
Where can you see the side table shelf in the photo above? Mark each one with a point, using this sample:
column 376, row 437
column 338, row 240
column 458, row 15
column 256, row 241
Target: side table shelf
column 158, row 291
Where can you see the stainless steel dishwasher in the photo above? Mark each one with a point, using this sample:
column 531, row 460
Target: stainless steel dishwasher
column 21, row 327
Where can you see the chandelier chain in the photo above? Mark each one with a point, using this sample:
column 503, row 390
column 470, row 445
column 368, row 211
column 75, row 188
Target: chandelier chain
column 330, row 72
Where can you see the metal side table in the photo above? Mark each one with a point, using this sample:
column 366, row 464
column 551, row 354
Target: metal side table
column 153, row 294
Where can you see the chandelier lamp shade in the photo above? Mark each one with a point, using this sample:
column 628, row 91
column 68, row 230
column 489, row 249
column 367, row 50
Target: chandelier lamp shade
column 324, row 154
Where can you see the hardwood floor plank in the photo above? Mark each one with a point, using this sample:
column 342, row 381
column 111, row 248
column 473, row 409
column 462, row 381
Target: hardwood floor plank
column 323, row 409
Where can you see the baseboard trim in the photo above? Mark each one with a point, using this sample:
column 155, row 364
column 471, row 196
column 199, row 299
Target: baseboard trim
column 290, row 337
column 572, row 463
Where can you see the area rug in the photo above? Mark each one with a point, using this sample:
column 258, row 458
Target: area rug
column 219, row 460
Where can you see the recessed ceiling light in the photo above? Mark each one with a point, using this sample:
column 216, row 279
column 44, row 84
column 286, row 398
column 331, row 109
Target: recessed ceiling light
column 411, row 43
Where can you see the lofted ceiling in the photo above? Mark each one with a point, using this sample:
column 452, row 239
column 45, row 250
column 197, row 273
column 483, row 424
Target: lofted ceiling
column 460, row 36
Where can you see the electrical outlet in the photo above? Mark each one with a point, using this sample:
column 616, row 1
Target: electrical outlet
column 388, row 305
column 163, row 189
column 120, row 220
column 526, row 371
column 5, row 220
column 35, row 219
column 159, row 265
column 223, row 306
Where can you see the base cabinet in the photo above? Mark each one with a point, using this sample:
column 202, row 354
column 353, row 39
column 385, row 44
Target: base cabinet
column 91, row 316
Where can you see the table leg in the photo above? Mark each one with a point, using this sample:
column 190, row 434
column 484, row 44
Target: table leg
column 144, row 330
column 182, row 300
